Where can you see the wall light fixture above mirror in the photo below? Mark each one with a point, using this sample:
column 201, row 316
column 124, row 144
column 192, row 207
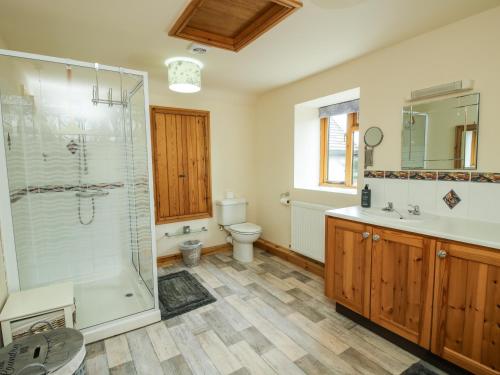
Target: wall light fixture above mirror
column 441, row 134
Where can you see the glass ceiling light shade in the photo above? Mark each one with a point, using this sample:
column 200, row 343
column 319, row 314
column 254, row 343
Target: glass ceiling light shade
column 184, row 74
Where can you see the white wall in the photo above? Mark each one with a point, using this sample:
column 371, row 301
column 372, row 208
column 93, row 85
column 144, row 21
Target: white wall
column 232, row 136
column 467, row 49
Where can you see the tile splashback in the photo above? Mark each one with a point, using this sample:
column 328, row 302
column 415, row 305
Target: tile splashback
column 479, row 192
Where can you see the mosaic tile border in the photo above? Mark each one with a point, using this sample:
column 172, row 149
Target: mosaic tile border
column 374, row 174
column 485, row 177
column 400, row 175
column 452, row 176
column 17, row 194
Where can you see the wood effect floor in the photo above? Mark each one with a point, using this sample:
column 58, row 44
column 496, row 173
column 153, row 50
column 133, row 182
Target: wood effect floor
column 270, row 317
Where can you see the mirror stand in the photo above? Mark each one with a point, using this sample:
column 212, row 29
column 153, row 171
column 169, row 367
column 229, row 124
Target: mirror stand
column 368, row 156
column 373, row 137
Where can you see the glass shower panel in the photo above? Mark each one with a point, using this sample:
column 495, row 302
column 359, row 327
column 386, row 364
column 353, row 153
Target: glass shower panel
column 79, row 211
column 135, row 129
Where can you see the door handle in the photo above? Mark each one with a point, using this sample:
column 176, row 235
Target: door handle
column 365, row 235
column 442, row 254
column 376, row 237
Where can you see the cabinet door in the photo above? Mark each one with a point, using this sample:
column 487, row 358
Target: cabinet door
column 466, row 316
column 181, row 151
column 402, row 284
column 348, row 264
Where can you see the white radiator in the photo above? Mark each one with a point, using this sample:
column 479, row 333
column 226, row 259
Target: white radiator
column 308, row 229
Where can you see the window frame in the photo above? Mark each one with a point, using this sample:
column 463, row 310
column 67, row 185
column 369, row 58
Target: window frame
column 352, row 126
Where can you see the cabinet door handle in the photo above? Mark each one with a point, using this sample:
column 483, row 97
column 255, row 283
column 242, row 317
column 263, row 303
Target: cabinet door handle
column 376, row 237
column 365, row 235
column 442, row 254
column 182, row 175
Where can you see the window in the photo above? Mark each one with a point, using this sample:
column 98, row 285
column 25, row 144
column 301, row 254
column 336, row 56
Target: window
column 339, row 150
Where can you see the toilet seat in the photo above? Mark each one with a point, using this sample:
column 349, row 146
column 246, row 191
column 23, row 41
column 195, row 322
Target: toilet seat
column 245, row 228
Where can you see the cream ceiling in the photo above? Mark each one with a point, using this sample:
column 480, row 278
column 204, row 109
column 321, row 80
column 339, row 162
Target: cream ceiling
column 133, row 34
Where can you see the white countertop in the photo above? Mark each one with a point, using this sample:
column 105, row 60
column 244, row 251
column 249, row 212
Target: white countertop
column 462, row 230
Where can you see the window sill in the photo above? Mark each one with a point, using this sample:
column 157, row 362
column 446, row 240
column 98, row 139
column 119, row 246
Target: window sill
column 330, row 189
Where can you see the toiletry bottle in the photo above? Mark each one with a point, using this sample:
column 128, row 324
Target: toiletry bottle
column 366, row 197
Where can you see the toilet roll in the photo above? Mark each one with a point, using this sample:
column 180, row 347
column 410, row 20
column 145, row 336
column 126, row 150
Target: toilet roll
column 285, row 200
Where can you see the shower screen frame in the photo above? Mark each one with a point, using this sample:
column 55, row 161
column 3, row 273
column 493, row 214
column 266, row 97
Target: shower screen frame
column 6, row 224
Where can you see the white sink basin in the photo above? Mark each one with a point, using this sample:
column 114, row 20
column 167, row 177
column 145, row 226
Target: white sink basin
column 394, row 216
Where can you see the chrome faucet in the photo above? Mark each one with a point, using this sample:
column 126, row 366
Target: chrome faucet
column 414, row 210
column 390, row 208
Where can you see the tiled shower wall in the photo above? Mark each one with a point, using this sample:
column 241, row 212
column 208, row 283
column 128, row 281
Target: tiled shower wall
column 479, row 193
column 44, row 175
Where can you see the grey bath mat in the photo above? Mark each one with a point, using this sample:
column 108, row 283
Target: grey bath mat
column 179, row 293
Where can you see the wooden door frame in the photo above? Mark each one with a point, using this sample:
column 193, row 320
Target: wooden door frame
column 154, row 109
column 457, row 149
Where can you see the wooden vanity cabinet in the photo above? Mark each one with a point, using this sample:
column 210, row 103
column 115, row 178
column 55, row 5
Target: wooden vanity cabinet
column 402, row 280
column 466, row 313
column 348, row 264
column 441, row 295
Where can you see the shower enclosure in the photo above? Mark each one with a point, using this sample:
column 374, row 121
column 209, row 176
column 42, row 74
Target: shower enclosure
column 75, row 187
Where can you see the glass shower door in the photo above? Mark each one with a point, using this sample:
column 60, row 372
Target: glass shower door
column 78, row 183
column 135, row 125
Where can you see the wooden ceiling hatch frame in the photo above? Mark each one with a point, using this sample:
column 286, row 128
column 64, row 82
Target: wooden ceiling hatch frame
column 230, row 24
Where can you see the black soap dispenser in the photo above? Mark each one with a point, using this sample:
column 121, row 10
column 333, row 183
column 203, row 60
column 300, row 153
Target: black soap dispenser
column 366, row 197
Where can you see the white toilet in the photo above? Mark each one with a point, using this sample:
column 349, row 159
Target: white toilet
column 232, row 215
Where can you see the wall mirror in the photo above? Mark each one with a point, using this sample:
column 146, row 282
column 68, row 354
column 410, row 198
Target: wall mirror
column 441, row 134
column 373, row 137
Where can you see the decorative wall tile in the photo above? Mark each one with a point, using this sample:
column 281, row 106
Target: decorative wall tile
column 454, row 176
column 485, row 177
column 72, row 146
column 374, row 174
column 17, row 194
column 451, row 199
column 423, row 175
column 401, row 175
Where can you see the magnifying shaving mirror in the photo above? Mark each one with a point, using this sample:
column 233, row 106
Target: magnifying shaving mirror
column 373, row 137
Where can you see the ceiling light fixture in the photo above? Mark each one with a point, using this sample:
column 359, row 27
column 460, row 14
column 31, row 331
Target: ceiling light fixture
column 184, row 74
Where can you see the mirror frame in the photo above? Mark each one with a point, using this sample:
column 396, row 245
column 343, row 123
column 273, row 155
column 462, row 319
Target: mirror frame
column 381, row 136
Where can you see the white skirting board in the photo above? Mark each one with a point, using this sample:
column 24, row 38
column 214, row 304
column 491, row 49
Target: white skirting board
column 308, row 229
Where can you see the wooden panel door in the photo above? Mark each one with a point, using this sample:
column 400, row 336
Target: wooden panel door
column 181, row 150
column 466, row 316
column 348, row 264
column 402, row 284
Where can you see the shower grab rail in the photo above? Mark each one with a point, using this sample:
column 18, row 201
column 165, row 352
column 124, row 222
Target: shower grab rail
column 184, row 233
